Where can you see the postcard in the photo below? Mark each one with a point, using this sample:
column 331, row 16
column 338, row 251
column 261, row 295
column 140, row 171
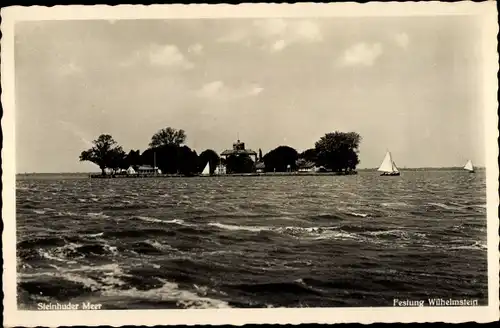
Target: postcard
column 250, row 164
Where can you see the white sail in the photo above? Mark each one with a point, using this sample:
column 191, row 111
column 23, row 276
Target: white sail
column 469, row 166
column 206, row 170
column 394, row 167
column 388, row 164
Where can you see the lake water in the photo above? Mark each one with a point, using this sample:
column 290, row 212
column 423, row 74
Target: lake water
column 316, row 241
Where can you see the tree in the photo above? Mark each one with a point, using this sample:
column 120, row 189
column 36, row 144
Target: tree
column 260, row 155
column 133, row 159
column 168, row 136
column 165, row 158
column 352, row 160
column 338, row 151
column 172, row 159
column 241, row 163
column 208, row 156
column 309, row 155
column 280, row 159
column 117, row 160
column 187, row 161
column 104, row 153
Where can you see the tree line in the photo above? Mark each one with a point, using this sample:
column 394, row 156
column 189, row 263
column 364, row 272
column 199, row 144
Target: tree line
column 336, row 151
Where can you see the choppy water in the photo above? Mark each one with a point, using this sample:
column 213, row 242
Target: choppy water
column 252, row 241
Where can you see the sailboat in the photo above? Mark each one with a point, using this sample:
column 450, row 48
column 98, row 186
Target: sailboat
column 388, row 167
column 469, row 167
column 206, row 170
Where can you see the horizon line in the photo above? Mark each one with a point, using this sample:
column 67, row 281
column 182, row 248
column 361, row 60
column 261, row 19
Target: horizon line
column 360, row 169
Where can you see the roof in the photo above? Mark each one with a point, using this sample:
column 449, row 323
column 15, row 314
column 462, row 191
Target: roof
column 233, row 152
column 307, row 165
column 146, row 167
column 260, row 165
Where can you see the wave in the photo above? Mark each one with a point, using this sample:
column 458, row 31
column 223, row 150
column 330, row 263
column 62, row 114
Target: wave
column 64, row 282
column 137, row 233
column 445, row 206
column 155, row 220
column 126, row 206
column 56, row 288
column 96, row 249
column 477, row 245
column 62, row 250
column 99, row 215
column 238, row 227
column 362, row 215
column 297, row 232
column 170, row 292
column 41, row 242
column 395, row 233
column 470, row 247
column 148, row 247
column 53, row 255
column 358, row 228
column 326, row 216
column 396, row 205
column 353, row 232
column 95, row 235
column 67, row 213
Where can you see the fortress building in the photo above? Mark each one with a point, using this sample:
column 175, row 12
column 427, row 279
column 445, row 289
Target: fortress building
column 239, row 149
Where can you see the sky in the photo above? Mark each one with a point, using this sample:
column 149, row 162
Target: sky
column 411, row 85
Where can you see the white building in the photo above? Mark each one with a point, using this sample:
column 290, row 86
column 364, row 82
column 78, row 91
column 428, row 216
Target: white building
column 147, row 169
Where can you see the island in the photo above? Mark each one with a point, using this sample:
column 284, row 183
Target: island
column 336, row 153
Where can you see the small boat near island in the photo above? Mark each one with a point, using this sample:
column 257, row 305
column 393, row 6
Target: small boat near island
column 388, row 167
column 469, row 167
column 206, row 170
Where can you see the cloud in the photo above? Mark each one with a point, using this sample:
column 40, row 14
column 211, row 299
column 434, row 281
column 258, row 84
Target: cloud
column 275, row 33
column 361, row 54
column 168, row 55
column 196, row 49
column 402, row 40
column 160, row 55
column 217, row 90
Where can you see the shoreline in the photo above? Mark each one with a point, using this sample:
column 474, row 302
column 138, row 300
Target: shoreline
column 96, row 175
column 99, row 176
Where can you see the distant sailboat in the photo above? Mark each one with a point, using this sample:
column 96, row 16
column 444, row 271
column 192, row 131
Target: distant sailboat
column 206, row 170
column 388, row 167
column 469, row 167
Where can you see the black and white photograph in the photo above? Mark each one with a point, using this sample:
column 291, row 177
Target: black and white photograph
column 269, row 158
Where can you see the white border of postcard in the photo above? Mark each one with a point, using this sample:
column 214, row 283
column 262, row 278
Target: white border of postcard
column 14, row 317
